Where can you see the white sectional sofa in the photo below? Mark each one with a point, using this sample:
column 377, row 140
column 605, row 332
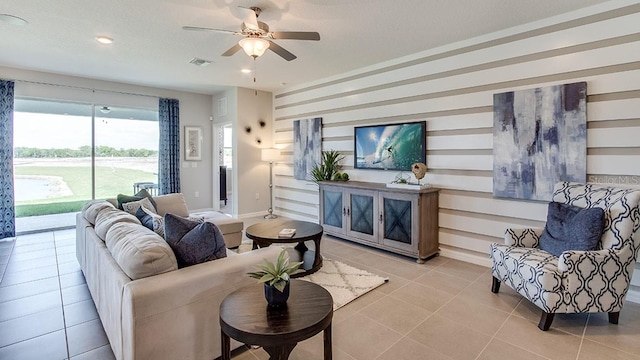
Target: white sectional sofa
column 149, row 308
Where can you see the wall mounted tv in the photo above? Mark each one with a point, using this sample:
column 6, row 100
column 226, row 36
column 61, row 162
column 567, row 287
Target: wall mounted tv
column 390, row 147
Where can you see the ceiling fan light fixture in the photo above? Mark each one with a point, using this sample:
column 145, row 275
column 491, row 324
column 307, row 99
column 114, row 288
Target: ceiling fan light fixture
column 104, row 40
column 105, row 110
column 254, row 46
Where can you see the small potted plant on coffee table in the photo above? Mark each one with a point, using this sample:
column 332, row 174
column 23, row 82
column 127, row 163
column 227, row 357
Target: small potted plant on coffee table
column 276, row 278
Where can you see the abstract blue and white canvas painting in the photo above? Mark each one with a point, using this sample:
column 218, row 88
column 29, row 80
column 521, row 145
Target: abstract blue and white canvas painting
column 307, row 146
column 539, row 138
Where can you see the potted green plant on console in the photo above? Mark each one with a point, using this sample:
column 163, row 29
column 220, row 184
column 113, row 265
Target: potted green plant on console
column 328, row 167
column 276, row 278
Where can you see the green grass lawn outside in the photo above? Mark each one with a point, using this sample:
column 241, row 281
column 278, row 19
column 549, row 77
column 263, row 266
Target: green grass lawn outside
column 109, row 183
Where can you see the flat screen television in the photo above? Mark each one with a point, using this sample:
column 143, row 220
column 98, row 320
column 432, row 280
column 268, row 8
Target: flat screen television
column 391, row 146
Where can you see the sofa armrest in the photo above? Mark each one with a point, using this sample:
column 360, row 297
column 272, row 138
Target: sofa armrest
column 176, row 314
column 596, row 281
column 527, row 237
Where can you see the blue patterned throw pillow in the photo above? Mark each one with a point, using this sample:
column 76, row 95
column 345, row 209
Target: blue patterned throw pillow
column 193, row 242
column 571, row 228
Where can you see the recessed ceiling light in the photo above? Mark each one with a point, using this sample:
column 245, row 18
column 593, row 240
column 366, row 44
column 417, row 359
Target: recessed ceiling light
column 12, row 19
column 105, row 40
column 246, row 71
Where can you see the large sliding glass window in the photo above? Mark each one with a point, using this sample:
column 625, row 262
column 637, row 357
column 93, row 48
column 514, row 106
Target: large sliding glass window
column 64, row 155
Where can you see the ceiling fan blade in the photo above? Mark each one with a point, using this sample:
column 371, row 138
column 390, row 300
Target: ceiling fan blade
column 281, row 51
column 234, row 49
column 195, row 28
column 296, row 35
column 250, row 17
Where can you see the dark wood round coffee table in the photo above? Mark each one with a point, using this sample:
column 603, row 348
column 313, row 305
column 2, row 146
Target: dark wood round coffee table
column 245, row 316
column 266, row 233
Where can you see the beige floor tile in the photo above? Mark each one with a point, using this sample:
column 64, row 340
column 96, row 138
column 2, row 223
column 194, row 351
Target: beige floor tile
column 422, row 296
column 29, row 305
column 571, row 323
column 498, row 349
column 593, row 351
column 21, row 277
column 506, row 300
column 31, row 288
column 21, row 329
column 621, row 337
column 441, row 281
column 407, row 349
column 396, row 314
column 349, row 337
column 450, row 338
column 342, row 314
column 313, row 349
column 364, row 300
column 101, row 353
column 80, row 312
column 462, row 269
column 395, row 282
column 554, row 343
column 85, row 337
column 472, row 314
column 49, row 346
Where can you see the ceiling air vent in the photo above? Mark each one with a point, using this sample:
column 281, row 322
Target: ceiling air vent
column 199, row 62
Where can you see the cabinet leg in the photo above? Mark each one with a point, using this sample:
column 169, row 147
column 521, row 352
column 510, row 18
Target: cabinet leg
column 420, row 261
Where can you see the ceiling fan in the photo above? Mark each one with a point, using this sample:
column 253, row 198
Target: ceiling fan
column 257, row 37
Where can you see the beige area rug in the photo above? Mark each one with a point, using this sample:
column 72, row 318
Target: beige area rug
column 345, row 283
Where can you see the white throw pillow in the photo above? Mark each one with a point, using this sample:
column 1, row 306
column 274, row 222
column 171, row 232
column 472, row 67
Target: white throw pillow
column 133, row 206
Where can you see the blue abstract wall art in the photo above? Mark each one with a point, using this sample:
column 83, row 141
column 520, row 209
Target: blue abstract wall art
column 307, row 146
column 539, row 138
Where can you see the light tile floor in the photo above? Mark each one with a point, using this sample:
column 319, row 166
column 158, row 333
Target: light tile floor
column 439, row 310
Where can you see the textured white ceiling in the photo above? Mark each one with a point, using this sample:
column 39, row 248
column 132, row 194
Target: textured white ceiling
column 151, row 48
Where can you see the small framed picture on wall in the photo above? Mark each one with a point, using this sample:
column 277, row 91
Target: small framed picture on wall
column 192, row 143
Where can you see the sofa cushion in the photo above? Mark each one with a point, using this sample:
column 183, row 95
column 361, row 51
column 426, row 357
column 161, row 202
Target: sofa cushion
column 151, row 220
column 139, row 251
column 571, row 228
column 109, row 216
column 122, row 199
column 193, row 242
column 171, row 203
column 91, row 209
column 225, row 223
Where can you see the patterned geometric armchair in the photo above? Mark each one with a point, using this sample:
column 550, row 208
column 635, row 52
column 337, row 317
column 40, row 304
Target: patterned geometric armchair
column 577, row 281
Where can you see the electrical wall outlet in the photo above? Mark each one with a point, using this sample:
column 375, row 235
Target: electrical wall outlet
column 257, row 196
column 197, row 194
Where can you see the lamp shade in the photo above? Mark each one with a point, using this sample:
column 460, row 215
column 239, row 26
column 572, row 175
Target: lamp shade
column 254, row 46
column 270, row 155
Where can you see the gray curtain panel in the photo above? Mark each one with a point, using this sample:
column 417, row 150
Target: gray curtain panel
column 169, row 150
column 7, row 206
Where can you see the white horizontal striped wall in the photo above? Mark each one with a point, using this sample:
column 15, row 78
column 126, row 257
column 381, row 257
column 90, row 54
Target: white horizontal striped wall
column 452, row 88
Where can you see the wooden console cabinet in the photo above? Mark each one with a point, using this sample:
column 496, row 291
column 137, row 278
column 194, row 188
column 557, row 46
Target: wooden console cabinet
column 403, row 221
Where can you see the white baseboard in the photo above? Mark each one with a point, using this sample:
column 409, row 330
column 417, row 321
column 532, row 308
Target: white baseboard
column 251, row 215
column 633, row 295
column 474, row 259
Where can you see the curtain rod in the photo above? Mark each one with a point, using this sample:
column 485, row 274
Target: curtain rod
column 85, row 88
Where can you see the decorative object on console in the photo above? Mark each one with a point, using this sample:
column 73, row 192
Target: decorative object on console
column 270, row 155
column 276, row 278
column 327, row 167
column 390, row 147
column 307, row 146
column 192, row 143
column 539, row 138
column 419, row 171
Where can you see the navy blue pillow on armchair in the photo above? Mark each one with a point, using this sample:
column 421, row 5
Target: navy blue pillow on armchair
column 193, row 242
column 571, row 228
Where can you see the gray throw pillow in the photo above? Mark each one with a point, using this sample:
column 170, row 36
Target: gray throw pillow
column 193, row 242
column 121, row 198
column 151, row 220
column 571, row 228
